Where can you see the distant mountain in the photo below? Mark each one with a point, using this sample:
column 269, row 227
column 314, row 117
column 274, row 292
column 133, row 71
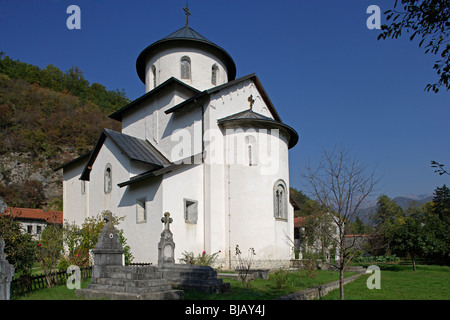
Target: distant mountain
column 405, row 202
column 412, row 200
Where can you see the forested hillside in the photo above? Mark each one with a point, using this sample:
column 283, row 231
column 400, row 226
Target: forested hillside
column 47, row 117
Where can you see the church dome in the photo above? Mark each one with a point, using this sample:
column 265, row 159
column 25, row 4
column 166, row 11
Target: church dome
column 152, row 70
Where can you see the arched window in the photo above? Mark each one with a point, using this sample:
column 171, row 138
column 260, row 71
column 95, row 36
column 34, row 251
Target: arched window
column 280, row 200
column 108, row 179
column 154, row 76
column 251, row 145
column 214, row 74
column 185, row 68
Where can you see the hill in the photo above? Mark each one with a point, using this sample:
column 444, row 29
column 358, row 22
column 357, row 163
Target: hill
column 47, row 117
column 409, row 201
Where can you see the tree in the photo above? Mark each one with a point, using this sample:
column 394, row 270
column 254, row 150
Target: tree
column 79, row 240
column 340, row 184
column 440, row 220
column 409, row 235
column 428, row 19
column 386, row 212
column 50, row 251
column 20, row 248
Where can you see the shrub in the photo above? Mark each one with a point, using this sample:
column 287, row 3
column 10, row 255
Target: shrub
column 203, row 259
column 280, row 278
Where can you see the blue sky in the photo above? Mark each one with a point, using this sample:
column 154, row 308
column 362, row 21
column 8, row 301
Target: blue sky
column 324, row 70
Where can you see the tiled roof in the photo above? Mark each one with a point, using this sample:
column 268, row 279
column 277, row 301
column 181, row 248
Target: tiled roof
column 55, row 217
column 137, row 149
column 132, row 147
column 298, row 222
column 248, row 116
column 185, row 36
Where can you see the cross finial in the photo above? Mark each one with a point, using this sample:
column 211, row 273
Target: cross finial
column 251, row 100
column 187, row 13
column 166, row 220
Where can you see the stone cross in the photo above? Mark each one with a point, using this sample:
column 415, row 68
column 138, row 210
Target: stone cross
column 166, row 220
column 108, row 217
column 166, row 246
column 251, row 100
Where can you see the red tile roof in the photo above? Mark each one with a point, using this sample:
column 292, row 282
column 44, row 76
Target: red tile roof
column 55, row 217
column 298, row 222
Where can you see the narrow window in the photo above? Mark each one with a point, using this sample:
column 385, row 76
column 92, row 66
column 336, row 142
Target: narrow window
column 190, row 211
column 251, row 146
column 38, row 229
column 154, row 76
column 185, row 68
column 280, row 200
column 108, row 179
column 83, row 187
column 141, row 214
column 214, row 74
column 30, row 229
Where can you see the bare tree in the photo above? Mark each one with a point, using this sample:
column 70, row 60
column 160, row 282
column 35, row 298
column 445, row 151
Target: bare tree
column 340, row 184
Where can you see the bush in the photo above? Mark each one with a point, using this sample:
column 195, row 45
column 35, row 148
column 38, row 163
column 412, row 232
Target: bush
column 280, row 278
column 203, row 259
column 381, row 259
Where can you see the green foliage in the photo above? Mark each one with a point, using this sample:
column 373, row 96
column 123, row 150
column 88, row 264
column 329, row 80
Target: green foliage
column 203, row 259
column 376, row 259
column 416, row 232
column 387, row 211
column 20, row 248
column 71, row 81
column 79, row 240
column 49, row 252
column 48, row 117
column 428, row 20
column 280, row 278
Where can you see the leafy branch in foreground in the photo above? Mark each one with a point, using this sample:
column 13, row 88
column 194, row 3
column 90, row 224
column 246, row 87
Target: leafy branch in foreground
column 440, row 168
column 428, row 19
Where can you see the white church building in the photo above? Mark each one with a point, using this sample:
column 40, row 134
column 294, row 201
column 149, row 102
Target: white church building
column 200, row 144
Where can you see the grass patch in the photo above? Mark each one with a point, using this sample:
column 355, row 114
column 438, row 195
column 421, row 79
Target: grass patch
column 400, row 282
column 268, row 289
column 56, row 293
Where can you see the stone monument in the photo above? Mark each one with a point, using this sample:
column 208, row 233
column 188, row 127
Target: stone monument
column 6, row 274
column 112, row 280
column 108, row 250
column 185, row 276
column 166, row 246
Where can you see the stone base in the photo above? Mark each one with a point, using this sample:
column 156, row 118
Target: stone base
column 255, row 273
column 130, row 283
column 201, row 278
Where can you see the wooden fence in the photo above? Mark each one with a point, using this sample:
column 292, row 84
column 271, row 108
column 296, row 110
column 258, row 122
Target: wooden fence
column 24, row 285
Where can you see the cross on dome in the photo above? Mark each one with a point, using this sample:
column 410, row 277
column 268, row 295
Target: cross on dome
column 187, row 13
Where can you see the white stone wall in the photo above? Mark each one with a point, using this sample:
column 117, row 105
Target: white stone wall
column 75, row 203
column 168, row 64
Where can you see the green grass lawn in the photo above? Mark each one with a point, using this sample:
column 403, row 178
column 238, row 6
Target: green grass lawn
column 260, row 289
column 268, row 289
column 56, row 293
column 400, row 282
